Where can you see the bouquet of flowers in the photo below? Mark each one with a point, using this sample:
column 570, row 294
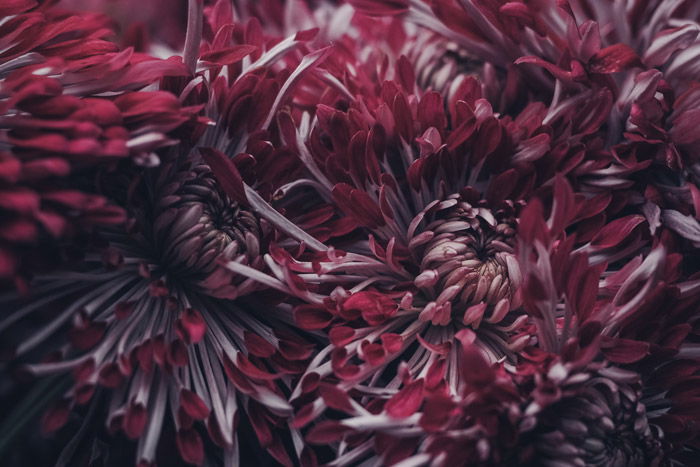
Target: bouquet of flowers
column 350, row 233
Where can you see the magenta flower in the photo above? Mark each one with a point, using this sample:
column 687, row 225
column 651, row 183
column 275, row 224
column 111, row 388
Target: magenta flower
column 592, row 378
column 148, row 314
column 373, row 232
column 438, row 205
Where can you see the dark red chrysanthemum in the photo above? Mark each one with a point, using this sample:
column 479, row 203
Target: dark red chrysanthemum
column 582, row 406
column 373, row 232
column 436, row 188
column 148, row 313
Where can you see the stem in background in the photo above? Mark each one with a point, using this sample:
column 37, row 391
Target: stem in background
column 190, row 54
column 29, row 408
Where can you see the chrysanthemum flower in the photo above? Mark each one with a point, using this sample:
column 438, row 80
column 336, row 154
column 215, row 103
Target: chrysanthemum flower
column 436, row 188
column 586, row 404
column 148, row 313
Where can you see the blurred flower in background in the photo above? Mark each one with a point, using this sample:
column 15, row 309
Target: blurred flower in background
column 153, row 26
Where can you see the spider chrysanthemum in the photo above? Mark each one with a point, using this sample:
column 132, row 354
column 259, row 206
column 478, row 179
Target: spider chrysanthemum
column 147, row 324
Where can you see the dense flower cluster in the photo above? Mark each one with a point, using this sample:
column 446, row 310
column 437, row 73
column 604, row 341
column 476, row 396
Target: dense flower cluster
column 362, row 232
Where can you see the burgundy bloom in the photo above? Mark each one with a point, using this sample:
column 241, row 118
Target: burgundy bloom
column 593, row 377
column 438, row 252
column 148, row 313
column 436, row 188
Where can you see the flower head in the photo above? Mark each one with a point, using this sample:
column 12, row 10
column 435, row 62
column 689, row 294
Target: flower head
column 435, row 187
column 592, row 377
column 149, row 314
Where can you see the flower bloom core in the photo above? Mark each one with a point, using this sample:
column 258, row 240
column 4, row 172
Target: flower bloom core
column 466, row 261
column 198, row 223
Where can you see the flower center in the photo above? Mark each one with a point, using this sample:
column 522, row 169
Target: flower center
column 197, row 224
column 467, row 268
column 604, row 423
column 444, row 65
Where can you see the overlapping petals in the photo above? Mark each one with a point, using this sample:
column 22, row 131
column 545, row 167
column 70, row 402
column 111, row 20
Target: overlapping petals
column 372, row 232
column 59, row 129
